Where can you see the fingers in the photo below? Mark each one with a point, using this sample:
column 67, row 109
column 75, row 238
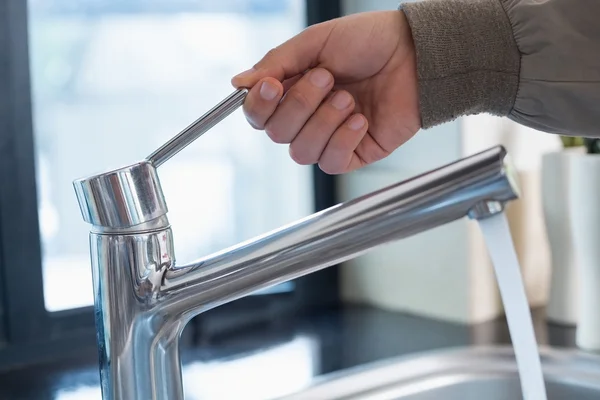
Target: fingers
column 318, row 123
column 283, row 118
column 289, row 59
column 288, row 83
column 339, row 155
column 308, row 145
column 261, row 102
column 298, row 105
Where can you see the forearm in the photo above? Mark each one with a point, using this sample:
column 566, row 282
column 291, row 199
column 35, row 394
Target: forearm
column 536, row 62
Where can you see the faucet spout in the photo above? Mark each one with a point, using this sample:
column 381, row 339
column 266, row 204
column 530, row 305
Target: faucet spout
column 477, row 187
column 143, row 299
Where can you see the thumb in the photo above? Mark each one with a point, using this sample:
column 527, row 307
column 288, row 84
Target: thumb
column 289, row 59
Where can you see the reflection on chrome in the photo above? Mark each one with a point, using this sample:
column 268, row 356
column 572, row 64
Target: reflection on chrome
column 265, row 374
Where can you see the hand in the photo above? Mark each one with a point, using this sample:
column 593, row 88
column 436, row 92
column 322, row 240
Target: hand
column 342, row 93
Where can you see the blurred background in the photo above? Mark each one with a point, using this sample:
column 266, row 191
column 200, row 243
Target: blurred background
column 97, row 84
column 113, row 80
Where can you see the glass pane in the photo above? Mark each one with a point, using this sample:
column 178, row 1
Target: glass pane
column 113, row 80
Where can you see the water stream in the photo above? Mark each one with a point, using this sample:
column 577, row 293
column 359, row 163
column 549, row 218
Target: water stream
column 512, row 290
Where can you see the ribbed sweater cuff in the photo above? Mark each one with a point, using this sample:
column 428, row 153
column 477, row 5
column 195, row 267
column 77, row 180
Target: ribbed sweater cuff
column 467, row 58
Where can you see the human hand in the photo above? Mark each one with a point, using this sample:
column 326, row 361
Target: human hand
column 342, row 93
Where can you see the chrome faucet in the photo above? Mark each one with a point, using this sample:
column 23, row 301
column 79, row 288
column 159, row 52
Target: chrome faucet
column 143, row 299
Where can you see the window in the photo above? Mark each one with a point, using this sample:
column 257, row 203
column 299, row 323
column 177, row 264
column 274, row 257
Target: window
column 113, row 80
column 89, row 86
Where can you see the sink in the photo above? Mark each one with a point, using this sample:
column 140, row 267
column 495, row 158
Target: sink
column 470, row 373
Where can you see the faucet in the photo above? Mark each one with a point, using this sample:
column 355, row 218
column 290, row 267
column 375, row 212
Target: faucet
column 143, row 298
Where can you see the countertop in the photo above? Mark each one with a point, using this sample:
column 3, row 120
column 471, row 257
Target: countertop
column 275, row 361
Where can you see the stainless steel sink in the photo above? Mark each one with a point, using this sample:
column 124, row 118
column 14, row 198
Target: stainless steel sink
column 473, row 373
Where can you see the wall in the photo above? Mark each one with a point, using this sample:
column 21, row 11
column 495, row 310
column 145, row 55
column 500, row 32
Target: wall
column 429, row 273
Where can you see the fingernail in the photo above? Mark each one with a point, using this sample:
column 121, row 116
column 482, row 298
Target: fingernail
column 245, row 73
column 268, row 91
column 341, row 100
column 356, row 122
column 320, row 78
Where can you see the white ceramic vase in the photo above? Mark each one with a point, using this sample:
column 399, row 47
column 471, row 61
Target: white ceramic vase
column 584, row 214
column 562, row 307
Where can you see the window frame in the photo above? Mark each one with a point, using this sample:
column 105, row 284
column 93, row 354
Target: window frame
column 28, row 332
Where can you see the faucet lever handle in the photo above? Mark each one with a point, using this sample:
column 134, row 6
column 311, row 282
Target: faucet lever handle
column 132, row 196
column 198, row 128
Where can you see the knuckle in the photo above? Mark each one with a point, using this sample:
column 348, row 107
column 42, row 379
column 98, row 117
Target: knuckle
column 348, row 97
column 299, row 99
column 333, row 119
column 276, row 135
column 269, row 55
column 301, row 157
column 253, row 115
column 253, row 124
column 373, row 154
column 272, row 52
column 329, row 168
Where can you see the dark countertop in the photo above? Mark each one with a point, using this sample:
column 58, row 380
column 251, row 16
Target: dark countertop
column 283, row 358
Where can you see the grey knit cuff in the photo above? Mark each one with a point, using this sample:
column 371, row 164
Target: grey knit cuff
column 467, row 58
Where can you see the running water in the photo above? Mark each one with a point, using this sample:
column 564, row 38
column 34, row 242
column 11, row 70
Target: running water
column 497, row 236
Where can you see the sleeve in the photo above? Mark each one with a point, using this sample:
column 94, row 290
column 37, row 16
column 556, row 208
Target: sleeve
column 534, row 61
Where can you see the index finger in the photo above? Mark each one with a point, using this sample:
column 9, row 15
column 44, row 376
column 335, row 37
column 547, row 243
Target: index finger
column 289, row 59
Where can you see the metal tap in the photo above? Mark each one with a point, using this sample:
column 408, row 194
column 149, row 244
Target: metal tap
column 143, row 298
